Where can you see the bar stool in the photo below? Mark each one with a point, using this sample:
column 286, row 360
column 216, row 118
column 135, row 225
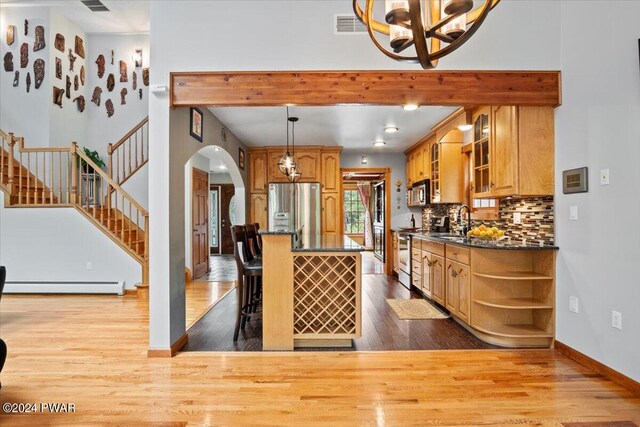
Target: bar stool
column 258, row 236
column 252, row 238
column 249, row 271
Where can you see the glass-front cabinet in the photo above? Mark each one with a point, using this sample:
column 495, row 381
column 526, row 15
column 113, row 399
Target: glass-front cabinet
column 482, row 184
column 435, row 172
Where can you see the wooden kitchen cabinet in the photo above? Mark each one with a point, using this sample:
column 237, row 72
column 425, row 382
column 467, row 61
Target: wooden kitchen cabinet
column 274, row 174
column 259, row 210
column 309, row 163
column 331, row 178
column 258, row 171
column 513, row 151
column 426, row 273
column 447, row 175
column 458, row 285
column 331, row 213
column 396, row 256
column 437, row 279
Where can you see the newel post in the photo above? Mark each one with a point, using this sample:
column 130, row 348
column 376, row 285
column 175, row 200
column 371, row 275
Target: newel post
column 74, row 173
column 10, row 165
column 110, row 160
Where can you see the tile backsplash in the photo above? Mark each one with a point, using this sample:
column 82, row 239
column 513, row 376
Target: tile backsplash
column 537, row 216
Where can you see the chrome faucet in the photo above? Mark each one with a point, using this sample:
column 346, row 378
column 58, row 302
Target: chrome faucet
column 465, row 229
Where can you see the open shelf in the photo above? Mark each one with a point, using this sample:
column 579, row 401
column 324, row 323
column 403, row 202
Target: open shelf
column 516, row 331
column 514, row 275
column 515, row 303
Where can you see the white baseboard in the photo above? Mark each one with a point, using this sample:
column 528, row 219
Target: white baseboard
column 64, row 288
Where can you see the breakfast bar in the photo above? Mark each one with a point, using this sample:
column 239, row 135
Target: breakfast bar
column 311, row 290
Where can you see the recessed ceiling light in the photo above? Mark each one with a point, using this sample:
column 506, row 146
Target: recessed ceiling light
column 465, row 128
column 410, row 107
column 391, row 129
column 222, row 167
column 216, row 148
column 379, row 144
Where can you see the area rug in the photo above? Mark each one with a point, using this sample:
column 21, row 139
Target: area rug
column 415, row 309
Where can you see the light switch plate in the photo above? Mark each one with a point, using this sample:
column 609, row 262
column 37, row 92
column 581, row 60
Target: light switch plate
column 616, row 319
column 573, row 213
column 604, row 177
column 573, row 304
column 517, row 218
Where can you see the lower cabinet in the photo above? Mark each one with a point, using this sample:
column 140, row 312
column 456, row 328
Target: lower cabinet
column 259, row 210
column 437, row 279
column 426, row 273
column 458, row 299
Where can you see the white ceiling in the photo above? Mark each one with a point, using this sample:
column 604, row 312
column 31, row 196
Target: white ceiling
column 131, row 16
column 353, row 127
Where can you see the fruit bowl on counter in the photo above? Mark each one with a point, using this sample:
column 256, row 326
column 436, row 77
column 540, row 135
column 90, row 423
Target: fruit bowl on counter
column 486, row 233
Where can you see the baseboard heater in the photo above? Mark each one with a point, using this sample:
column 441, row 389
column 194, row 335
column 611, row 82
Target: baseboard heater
column 64, row 288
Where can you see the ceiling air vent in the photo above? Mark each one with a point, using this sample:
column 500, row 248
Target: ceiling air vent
column 95, row 5
column 349, row 24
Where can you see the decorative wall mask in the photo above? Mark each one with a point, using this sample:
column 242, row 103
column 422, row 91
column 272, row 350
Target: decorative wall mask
column 80, row 103
column 145, row 76
column 59, row 43
column 82, row 75
column 140, row 93
column 58, row 68
column 16, row 79
column 100, row 62
column 95, row 98
column 111, row 56
column 123, row 94
column 24, row 55
column 76, row 83
column 111, row 82
column 28, row 81
column 109, row 106
column 40, row 43
column 123, row 72
column 135, row 80
column 79, row 47
column 11, row 34
column 68, row 87
column 38, row 72
column 26, row 27
column 57, row 96
column 72, row 59
column 8, row 62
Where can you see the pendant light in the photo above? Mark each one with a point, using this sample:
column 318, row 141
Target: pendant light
column 294, row 172
column 287, row 161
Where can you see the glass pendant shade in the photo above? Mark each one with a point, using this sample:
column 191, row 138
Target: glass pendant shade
column 396, row 11
column 398, row 36
column 286, row 162
column 294, row 174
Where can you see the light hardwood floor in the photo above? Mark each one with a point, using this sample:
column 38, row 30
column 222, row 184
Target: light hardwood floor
column 91, row 351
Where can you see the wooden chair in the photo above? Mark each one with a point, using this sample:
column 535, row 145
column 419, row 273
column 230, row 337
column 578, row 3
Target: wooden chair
column 258, row 236
column 252, row 238
column 249, row 272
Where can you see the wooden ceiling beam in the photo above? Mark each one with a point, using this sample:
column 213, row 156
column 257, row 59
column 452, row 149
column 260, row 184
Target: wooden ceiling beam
column 318, row 88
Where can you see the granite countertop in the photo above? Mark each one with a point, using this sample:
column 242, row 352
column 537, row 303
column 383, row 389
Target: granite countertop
column 481, row 243
column 316, row 242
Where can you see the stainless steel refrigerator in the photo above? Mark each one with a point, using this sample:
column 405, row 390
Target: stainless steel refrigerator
column 293, row 206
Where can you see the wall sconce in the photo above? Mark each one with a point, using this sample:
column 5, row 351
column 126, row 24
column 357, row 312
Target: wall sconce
column 137, row 58
column 364, row 160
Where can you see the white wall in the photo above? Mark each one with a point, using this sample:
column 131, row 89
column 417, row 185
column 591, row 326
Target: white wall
column 66, row 124
column 102, row 129
column 54, row 245
column 220, row 178
column 396, row 161
column 25, row 114
column 598, row 126
column 198, row 161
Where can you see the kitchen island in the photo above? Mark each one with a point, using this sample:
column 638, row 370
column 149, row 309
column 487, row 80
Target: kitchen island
column 503, row 292
column 311, row 290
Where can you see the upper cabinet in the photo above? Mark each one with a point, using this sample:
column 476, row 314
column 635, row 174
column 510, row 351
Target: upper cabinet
column 257, row 170
column 447, row 175
column 309, row 164
column 513, row 151
column 331, row 170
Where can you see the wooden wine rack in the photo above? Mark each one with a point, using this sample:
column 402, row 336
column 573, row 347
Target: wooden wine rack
column 326, row 296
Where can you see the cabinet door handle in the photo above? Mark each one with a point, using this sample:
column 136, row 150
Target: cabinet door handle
column 491, row 184
column 453, row 273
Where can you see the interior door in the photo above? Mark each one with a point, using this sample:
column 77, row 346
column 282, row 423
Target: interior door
column 200, row 222
column 227, row 191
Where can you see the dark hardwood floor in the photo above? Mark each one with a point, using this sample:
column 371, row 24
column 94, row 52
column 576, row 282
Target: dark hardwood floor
column 381, row 327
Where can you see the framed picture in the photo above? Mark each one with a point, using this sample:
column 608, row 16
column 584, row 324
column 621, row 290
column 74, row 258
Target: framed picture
column 241, row 158
column 196, row 123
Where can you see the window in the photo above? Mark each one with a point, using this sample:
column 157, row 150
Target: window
column 232, row 210
column 353, row 213
column 213, row 208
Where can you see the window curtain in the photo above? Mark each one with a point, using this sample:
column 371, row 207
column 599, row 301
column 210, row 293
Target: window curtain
column 364, row 190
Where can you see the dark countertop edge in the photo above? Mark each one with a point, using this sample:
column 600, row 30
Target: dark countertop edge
column 512, row 247
column 334, row 249
column 276, row 233
column 328, row 250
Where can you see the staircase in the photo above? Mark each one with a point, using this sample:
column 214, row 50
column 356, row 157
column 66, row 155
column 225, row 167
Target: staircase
column 67, row 177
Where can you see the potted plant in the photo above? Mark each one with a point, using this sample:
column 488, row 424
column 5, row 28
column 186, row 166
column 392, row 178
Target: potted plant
column 90, row 179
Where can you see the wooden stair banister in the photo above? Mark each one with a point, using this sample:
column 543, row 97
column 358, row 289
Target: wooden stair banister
column 129, row 154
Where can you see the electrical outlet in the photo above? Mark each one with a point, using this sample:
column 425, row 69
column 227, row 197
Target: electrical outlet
column 517, row 218
column 573, row 304
column 616, row 319
column 573, row 213
column 604, row 177
column 89, row 266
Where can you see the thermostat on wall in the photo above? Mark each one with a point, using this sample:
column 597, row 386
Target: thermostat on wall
column 575, row 181
column 159, row 88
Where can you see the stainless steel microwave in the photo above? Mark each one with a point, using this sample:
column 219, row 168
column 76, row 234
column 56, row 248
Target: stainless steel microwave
column 419, row 194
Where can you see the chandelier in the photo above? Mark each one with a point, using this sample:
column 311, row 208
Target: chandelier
column 424, row 24
column 288, row 164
